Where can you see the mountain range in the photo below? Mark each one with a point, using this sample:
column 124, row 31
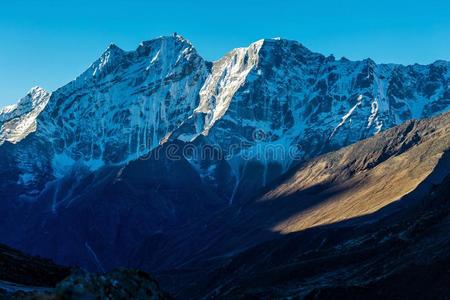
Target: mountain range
column 210, row 173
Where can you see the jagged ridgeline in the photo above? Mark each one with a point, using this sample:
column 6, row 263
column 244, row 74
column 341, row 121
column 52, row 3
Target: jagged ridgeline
column 78, row 170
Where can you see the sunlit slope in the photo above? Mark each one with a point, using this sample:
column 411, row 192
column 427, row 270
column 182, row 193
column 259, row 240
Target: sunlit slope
column 365, row 177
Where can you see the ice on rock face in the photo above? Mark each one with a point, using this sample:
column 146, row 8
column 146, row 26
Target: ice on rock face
column 227, row 76
column 273, row 93
column 347, row 116
column 126, row 102
column 373, row 113
column 306, row 102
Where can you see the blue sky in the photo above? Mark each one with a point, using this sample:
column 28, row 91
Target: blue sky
column 48, row 43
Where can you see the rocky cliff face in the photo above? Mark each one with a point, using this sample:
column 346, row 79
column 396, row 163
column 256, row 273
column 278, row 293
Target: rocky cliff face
column 361, row 222
column 88, row 149
column 117, row 110
column 275, row 94
column 124, row 104
column 278, row 96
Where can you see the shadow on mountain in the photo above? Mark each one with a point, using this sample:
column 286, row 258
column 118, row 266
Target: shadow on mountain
column 323, row 191
column 158, row 215
column 402, row 255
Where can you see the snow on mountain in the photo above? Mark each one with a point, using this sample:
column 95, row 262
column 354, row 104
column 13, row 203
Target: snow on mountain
column 72, row 177
column 276, row 102
column 228, row 75
column 19, row 120
column 265, row 106
column 125, row 103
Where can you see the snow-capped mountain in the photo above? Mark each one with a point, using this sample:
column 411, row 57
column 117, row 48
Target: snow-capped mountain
column 19, row 120
column 270, row 103
column 276, row 101
column 125, row 103
column 85, row 150
column 275, row 94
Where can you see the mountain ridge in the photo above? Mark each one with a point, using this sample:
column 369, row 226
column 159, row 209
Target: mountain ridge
column 19, row 120
column 87, row 188
column 274, row 93
column 291, row 232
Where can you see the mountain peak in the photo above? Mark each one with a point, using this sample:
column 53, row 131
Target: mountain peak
column 284, row 47
column 36, row 88
column 37, row 91
column 18, row 120
column 279, row 41
column 29, row 100
column 180, row 38
column 33, row 97
column 113, row 48
column 109, row 58
column 174, row 39
column 441, row 63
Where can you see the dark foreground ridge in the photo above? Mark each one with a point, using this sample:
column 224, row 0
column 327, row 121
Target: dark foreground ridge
column 25, row 270
column 25, row 277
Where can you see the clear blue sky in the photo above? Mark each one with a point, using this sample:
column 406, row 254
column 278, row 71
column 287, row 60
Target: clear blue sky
column 48, row 43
